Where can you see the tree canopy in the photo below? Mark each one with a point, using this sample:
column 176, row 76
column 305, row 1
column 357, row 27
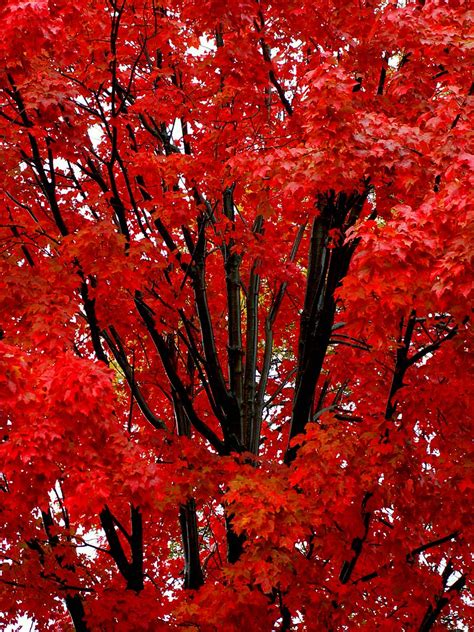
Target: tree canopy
column 235, row 315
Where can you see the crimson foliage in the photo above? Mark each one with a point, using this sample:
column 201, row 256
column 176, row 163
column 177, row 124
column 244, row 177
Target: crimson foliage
column 236, row 257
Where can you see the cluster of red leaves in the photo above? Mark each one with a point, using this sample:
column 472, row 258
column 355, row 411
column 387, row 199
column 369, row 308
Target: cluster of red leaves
column 165, row 171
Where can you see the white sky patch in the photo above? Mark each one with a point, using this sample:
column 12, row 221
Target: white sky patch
column 96, row 134
column 206, row 46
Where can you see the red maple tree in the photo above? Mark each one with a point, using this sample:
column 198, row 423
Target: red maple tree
column 236, row 246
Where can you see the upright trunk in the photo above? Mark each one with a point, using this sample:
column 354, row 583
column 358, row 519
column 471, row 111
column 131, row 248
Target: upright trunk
column 72, row 600
column 250, row 411
column 329, row 258
column 130, row 569
column 232, row 261
column 76, row 612
column 193, row 575
column 235, row 542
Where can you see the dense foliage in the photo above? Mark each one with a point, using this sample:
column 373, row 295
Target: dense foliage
column 236, row 257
